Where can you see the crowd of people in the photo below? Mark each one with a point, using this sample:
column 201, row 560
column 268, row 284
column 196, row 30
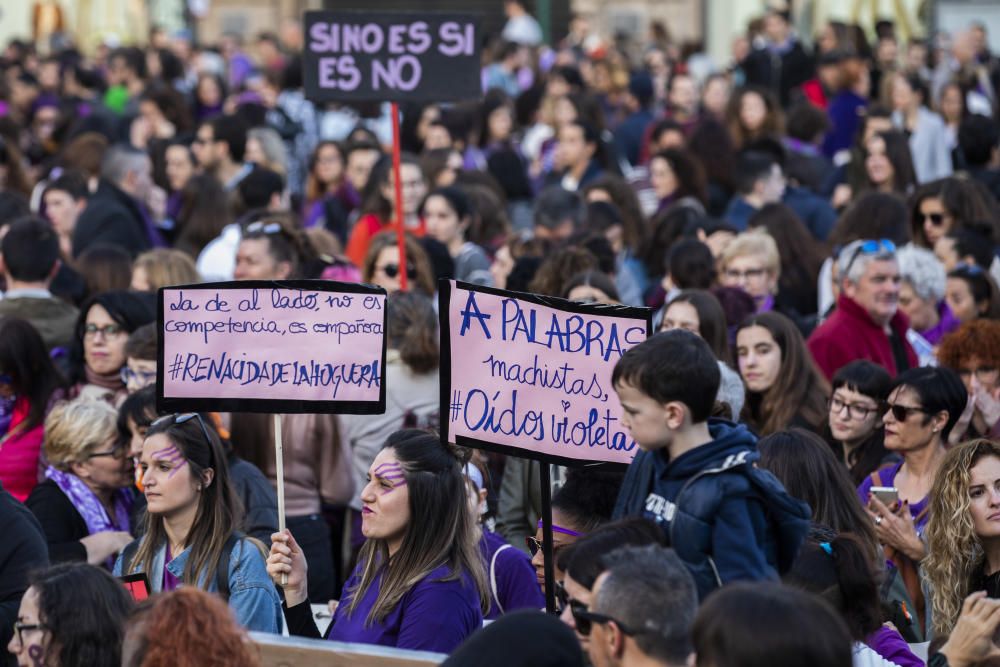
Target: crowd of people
column 815, row 225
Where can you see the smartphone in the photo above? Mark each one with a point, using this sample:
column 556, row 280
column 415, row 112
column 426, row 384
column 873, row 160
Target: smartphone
column 137, row 585
column 887, row 495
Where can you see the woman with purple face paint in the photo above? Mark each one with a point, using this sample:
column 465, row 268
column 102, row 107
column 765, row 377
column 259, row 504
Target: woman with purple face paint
column 420, row 582
column 190, row 534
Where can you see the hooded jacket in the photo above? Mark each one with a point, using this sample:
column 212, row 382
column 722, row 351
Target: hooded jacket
column 727, row 519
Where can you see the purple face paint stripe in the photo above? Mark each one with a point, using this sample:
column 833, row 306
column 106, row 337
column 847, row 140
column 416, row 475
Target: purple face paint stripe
column 171, row 455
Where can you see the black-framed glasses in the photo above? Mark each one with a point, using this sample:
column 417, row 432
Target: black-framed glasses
column 936, row 219
column 30, row 627
column 183, row 418
column 871, row 247
column 855, row 411
column 584, row 620
column 392, row 270
column 108, row 330
column 562, row 596
column 145, row 377
column 117, row 451
column 749, row 274
column 902, row 412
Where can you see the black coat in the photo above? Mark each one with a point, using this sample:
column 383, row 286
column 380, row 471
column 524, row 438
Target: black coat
column 61, row 523
column 112, row 216
column 22, row 550
column 780, row 73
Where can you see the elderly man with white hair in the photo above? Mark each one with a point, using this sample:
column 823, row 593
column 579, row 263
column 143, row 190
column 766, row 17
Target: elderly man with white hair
column 867, row 323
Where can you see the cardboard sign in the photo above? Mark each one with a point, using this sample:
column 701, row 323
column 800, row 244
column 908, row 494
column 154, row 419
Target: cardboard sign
column 391, row 56
column 258, row 346
column 531, row 376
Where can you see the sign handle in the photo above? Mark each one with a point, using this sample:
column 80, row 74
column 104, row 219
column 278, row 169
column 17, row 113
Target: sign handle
column 550, row 569
column 279, row 465
column 400, row 217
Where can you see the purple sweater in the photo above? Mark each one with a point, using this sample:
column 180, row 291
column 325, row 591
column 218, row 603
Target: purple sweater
column 889, row 644
column 434, row 615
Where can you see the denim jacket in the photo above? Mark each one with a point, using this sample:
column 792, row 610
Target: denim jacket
column 252, row 595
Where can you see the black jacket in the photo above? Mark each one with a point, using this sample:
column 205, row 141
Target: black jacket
column 112, row 216
column 779, row 72
column 22, row 550
column 61, row 524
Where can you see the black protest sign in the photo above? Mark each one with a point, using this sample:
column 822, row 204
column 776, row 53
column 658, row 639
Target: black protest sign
column 275, row 347
column 391, row 56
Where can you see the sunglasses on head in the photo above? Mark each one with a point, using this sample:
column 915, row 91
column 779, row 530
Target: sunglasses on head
column 392, row 270
column 261, row 227
column 965, row 269
column 183, row 418
column 871, row 247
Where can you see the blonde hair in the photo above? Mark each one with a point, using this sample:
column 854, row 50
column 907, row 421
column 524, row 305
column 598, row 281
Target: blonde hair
column 954, row 550
column 165, row 267
column 75, row 429
column 756, row 242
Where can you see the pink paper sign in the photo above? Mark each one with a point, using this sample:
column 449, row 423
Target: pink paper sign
column 306, row 346
column 533, row 374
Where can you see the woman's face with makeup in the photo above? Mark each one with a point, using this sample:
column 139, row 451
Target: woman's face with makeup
column 167, row 480
column 385, row 511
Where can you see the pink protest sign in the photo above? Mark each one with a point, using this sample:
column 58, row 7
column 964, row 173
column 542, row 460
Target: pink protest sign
column 258, row 346
column 531, row 375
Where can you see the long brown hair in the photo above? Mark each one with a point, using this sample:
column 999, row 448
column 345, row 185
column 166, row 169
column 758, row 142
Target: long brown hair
column 415, row 257
column 441, row 530
column 774, row 124
column 800, row 388
column 218, row 505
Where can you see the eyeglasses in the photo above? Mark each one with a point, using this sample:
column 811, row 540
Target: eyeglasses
column 392, row 270
column 965, row 269
column 261, row 227
column 128, row 375
column 117, row 451
column 983, row 373
column 584, row 620
column 936, row 219
column 902, row 412
column 882, row 246
column 182, row 419
column 202, row 140
column 749, row 274
column 855, row 411
column 108, row 330
column 30, row 627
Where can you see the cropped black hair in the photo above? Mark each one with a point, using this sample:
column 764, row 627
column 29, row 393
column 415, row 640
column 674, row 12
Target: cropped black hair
column 30, row 249
column 587, row 499
column 671, row 366
column 585, row 563
column 978, row 137
column 938, row 389
column 752, row 166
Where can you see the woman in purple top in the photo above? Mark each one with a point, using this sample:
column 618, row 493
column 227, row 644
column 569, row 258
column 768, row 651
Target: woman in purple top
column 509, row 572
column 924, row 404
column 420, row 581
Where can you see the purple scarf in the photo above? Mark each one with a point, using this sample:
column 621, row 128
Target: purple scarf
column 87, row 504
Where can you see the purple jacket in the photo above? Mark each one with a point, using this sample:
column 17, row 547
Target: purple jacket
column 511, row 577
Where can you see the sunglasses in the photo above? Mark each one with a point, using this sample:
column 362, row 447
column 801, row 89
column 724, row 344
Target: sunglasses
column 261, row 227
column 584, row 620
column 392, row 270
column 936, row 219
column 902, row 412
column 964, row 269
column 183, row 418
column 881, row 246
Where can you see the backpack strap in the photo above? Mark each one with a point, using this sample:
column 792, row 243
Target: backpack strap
column 493, row 576
column 222, row 571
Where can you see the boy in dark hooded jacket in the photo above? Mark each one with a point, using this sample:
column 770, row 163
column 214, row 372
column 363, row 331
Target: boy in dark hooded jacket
column 696, row 477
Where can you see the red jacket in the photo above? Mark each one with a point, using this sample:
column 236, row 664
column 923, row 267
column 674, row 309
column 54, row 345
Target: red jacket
column 850, row 334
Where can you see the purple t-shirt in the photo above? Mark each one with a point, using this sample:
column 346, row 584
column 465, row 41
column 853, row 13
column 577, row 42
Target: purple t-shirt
column 434, row 615
column 516, row 583
column 887, row 477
